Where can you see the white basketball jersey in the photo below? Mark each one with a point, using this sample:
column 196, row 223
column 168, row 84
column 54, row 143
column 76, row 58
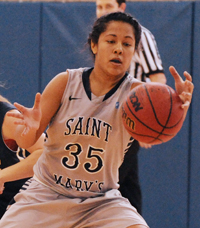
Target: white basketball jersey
column 86, row 139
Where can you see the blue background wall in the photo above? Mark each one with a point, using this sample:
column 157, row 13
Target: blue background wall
column 39, row 40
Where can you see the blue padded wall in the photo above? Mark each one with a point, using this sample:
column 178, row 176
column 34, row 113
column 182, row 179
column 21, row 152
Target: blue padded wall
column 194, row 203
column 65, row 31
column 20, row 50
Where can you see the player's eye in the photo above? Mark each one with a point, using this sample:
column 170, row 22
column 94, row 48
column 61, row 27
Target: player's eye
column 111, row 41
column 127, row 44
column 109, row 7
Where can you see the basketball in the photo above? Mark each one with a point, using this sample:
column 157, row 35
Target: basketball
column 152, row 113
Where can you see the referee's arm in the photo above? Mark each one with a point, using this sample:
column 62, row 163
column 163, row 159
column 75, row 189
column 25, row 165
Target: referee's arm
column 153, row 65
column 158, row 77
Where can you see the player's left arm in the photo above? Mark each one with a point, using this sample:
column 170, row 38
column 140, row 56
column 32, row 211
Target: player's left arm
column 158, row 77
column 184, row 88
column 20, row 170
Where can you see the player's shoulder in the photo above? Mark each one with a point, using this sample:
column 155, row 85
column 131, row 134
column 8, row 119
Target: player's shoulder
column 77, row 71
column 79, row 74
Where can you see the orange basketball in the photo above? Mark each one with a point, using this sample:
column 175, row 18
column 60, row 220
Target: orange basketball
column 152, row 113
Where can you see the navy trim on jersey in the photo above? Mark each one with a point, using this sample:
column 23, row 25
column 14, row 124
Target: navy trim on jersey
column 86, row 84
column 112, row 91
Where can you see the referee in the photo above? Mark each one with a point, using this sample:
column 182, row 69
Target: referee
column 146, row 66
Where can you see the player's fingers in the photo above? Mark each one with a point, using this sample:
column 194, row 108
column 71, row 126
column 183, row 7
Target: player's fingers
column 187, row 76
column 21, row 108
column 188, row 96
column 14, row 114
column 186, row 104
column 145, row 145
column 186, row 99
column 20, row 122
column 190, row 86
column 37, row 100
column 174, row 73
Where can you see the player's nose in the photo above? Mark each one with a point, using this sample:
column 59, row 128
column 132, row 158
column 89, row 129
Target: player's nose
column 118, row 48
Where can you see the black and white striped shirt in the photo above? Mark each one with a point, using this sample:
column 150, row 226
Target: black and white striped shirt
column 146, row 60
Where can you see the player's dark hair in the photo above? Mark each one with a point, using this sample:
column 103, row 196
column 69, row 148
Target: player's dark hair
column 101, row 24
column 120, row 2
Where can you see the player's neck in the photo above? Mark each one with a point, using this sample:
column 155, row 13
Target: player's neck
column 101, row 83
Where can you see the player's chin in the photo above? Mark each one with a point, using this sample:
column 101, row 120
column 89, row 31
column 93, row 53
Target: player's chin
column 117, row 70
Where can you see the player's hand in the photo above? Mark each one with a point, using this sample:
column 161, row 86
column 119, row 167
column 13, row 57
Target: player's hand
column 183, row 88
column 29, row 117
column 145, row 145
column 1, row 185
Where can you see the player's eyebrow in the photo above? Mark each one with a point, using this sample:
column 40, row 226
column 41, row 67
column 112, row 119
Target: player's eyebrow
column 129, row 37
column 116, row 36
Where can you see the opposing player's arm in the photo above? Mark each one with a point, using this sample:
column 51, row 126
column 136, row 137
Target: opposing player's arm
column 24, row 168
column 20, row 170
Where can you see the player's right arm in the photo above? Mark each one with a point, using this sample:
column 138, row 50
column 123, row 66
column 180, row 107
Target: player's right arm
column 32, row 122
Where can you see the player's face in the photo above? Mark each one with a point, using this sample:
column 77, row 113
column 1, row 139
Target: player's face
column 115, row 48
column 108, row 6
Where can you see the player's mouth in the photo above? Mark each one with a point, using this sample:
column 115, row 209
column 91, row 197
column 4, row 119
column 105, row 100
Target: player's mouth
column 116, row 60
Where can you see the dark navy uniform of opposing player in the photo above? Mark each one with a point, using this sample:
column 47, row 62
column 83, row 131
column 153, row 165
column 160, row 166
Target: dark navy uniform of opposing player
column 16, row 164
column 9, row 157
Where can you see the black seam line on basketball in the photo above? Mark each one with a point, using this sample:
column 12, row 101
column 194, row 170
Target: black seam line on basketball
column 155, row 112
column 148, row 136
column 169, row 115
column 169, row 112
column 144, row 123
column 164, row 127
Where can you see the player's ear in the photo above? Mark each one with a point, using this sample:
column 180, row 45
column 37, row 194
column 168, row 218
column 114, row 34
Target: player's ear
column 94, row 48
column 123, row 7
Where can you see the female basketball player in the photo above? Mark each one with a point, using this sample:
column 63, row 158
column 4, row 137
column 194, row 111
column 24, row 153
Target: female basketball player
column 12, row 171
column 76, row 178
